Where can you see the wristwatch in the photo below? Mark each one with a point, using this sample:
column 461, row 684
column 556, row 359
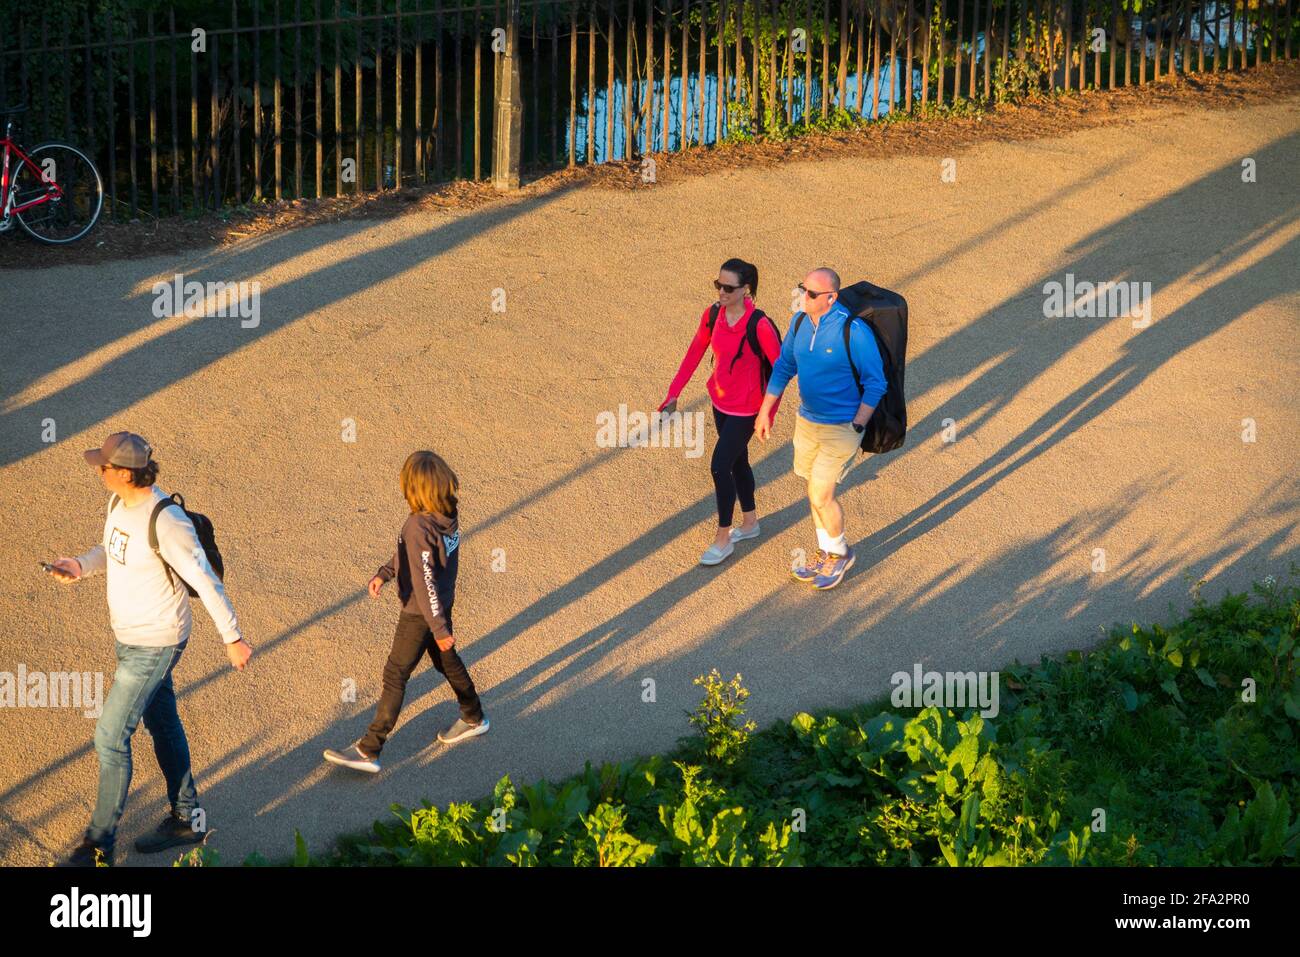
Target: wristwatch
column 858, row 428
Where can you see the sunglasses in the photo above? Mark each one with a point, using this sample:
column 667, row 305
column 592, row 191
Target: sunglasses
column 808, row 292
column 723, row 287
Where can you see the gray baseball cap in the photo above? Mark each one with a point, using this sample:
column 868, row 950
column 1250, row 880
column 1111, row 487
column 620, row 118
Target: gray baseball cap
column 126, row 450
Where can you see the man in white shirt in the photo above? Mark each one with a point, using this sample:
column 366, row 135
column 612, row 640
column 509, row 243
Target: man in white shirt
column 149, row 609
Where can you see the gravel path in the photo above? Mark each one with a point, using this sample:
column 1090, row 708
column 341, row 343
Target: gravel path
column 1072, row 434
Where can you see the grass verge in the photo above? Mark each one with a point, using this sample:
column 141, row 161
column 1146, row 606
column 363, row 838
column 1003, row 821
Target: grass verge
column 1165, row 745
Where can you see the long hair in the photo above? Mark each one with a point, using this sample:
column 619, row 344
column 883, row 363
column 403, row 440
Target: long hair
column 429, row 484
column 747, row 273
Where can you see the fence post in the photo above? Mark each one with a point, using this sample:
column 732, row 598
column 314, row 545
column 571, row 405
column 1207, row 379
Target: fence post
column 938, row 94
column 875, row 60
column 573, row 83
column 826, row 57
column 507, row 136
column 908, row 60
column 957, row 52
column 611, row 54
column 805, row 98
column 591, row 84
column 668, row 65
column 925, row 59
column 684, row 139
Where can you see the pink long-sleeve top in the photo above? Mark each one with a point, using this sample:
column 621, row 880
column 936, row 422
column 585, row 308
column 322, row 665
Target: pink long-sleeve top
column 734, row 390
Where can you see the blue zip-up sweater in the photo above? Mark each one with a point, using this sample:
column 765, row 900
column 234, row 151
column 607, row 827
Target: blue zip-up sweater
column 816, row 355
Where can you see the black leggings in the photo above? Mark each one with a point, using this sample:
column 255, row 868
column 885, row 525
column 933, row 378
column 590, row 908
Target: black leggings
column 732, row 476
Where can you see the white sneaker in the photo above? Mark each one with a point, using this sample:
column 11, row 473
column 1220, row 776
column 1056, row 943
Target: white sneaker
column 351, row 757
column 713, row 555
column 462, row 729
column 738, row 536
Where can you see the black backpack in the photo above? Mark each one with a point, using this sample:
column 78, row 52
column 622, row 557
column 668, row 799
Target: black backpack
column 885, row 314
column 751, row 336
column 202, row 527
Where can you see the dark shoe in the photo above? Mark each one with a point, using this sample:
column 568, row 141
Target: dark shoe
column 174, row 831
column 89, row 854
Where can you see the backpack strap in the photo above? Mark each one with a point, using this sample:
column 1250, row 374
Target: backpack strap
column 798, row 321
column 112, row 501
column 174, row 499
column 848, row 351
column 713, row 315
column 756, row 315
column 751, row 333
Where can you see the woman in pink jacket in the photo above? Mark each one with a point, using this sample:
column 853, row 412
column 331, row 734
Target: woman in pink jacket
column 745, row 343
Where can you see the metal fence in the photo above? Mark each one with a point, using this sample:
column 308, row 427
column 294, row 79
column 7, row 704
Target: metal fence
column 283, row 99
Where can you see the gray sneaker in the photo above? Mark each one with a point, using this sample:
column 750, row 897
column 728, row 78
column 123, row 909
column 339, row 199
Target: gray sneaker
column 351, row 757
column 462, row 730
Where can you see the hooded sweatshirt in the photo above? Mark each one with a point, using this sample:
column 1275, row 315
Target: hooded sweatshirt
column 425, row 566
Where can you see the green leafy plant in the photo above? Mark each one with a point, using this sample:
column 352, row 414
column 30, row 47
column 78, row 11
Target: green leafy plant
column 612, row 845
column 718, row 718
column 200, row 856
column 1166, row 744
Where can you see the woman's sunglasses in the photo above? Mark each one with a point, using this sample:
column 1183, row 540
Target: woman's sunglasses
column 723, row 287
column 808, row 292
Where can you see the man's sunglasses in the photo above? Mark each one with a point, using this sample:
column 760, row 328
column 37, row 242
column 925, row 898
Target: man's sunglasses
column 723, row 287
column 808, row 292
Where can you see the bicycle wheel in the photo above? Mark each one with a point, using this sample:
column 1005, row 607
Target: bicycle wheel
column 70, row 215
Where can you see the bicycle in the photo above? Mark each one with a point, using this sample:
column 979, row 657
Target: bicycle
column 54, row 192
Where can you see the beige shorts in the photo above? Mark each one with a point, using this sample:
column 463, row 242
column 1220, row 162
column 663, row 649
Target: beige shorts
column 824, row 453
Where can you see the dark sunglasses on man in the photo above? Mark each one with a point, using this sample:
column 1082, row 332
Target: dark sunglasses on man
column 808, row 292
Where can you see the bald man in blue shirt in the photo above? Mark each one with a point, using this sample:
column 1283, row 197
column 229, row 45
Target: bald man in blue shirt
column 832, row 414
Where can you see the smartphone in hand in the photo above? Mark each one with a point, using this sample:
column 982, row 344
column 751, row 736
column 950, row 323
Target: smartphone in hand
column 57, row 572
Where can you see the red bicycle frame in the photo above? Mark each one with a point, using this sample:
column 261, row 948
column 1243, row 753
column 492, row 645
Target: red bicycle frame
column 7, row 207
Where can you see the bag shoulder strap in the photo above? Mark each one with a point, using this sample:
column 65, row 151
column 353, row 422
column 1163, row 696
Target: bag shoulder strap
column 713, row 315
column 848, row 350
column 756, row 315
column 174, row 499
column 112, row 501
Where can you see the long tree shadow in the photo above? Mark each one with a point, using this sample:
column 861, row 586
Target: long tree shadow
column 1028, row 357
column 145, row 368
column 1019, row 351
column 599, row 699
column 935, row 600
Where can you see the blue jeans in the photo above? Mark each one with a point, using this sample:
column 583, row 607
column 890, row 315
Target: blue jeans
column 142, row 688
